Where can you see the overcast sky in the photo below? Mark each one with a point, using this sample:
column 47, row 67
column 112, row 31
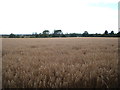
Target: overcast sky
column 71, row 16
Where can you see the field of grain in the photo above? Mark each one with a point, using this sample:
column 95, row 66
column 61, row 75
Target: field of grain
column 0, row 62
column 59, row 62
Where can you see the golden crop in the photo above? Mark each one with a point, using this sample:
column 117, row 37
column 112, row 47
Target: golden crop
column 60, row 62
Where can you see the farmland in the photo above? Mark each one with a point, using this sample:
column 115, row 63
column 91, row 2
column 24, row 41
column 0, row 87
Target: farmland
column 85, row 62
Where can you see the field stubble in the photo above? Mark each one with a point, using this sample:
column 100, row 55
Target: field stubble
column 60, row 63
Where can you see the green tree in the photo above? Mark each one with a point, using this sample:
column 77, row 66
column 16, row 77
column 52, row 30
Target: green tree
column 34, row 35
column 118, row 34
column 57, row 33
column 46, row 32
column 106, row 32
column 85, row 34
column 11, row 35
column 112, row 33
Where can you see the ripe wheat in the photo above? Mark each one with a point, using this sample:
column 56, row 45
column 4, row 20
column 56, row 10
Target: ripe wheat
column 60, row 62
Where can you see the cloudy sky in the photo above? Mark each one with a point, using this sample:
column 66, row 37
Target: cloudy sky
column 71, row 16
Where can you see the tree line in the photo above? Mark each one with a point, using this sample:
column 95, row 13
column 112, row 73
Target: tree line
column 59, row 33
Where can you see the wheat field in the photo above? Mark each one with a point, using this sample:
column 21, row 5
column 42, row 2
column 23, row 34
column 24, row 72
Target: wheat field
column 84, row 62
